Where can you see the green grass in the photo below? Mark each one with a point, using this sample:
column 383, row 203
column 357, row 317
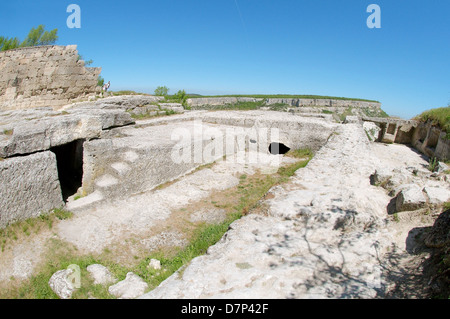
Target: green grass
column 375, row 113
column 127, row 92
column 439, row 117
column 8, row 132
column 14, row 231
column 240, row 106
column 290, row 170
column 149, row 115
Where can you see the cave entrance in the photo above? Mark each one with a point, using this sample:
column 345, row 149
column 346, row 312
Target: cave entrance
column 69, row 158
column 278, row 149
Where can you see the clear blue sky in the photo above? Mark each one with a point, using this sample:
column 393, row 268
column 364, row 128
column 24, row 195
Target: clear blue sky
column 321, row 47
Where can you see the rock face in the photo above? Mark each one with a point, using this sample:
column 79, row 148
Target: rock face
column 41, row 155
column 29, row 186
column 44, row 76
column 39, row 130
column 294, row 102
column 321, row 236
column 424, row 137
column 113, row 165
column 439, row 235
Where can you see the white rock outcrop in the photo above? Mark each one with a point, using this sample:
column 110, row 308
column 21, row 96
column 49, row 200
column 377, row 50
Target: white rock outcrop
column 101, row 274
column 62, row 283
column 322, row 237
column 131, row 287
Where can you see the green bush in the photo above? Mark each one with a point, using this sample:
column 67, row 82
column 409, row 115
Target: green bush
column 100, row 81
column 162, row 91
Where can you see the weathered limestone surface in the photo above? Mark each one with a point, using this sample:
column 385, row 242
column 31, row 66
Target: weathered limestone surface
column 131, row 287
column 424, row 137
column 294, row 131
column 322, row 237
column 101, row 274
column 29, row 131
column 29, row 186
column 61, row 283
column 131, row 160
column 44, row 76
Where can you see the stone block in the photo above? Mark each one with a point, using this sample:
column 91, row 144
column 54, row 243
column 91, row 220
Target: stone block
column 29, row 186
column 410, row 198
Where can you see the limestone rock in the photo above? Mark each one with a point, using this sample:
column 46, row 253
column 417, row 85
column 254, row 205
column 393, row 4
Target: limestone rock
column 29, row 186
column 320, row 238
column 442, row 167
column 410, row 198
column 352, row 119
column 101, row 274
column 131, row 287
column 439, row 235
column 437, row 195
column 155, row 264
column 381, row 176
column 44, row 76
column 62, row 284
column 39, row 130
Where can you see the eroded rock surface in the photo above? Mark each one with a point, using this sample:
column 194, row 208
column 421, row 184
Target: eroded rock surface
column 322, row 237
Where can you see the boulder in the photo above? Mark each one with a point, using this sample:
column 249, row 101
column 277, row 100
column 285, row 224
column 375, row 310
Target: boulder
column 131, row 287
column 155, row 264
column 381, row 177
column 410, row 198
column 437, row 195
column 101, row 274
column 62, row 283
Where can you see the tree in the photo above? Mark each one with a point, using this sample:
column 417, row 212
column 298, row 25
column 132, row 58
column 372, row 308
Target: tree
column 39, row 36
column 36, row 36
column 161, row 91
column 9, row 43
column 181, row 97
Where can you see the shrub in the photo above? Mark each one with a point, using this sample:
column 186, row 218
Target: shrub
column 162, row 91
column 100, row 81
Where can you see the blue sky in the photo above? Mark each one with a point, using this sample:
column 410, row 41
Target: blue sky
column 321, row 47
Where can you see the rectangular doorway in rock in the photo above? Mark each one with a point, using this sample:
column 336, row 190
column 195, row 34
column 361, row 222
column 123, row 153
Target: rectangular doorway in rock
column 69, row 158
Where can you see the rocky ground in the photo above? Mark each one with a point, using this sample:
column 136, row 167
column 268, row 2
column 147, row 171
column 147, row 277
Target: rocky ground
column 325, row 234
column 355, row 223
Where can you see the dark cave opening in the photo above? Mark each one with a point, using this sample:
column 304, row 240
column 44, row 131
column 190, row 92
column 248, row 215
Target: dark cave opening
column 278, row 149
column 69, row 158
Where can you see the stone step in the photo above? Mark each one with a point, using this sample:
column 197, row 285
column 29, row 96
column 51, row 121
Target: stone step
column 106, row 181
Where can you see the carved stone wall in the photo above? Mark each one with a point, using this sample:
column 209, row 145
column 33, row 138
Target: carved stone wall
column 44, row 76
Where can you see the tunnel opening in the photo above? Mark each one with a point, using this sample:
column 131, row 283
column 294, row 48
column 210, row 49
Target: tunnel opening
column 69, row 158
column 278, row 149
